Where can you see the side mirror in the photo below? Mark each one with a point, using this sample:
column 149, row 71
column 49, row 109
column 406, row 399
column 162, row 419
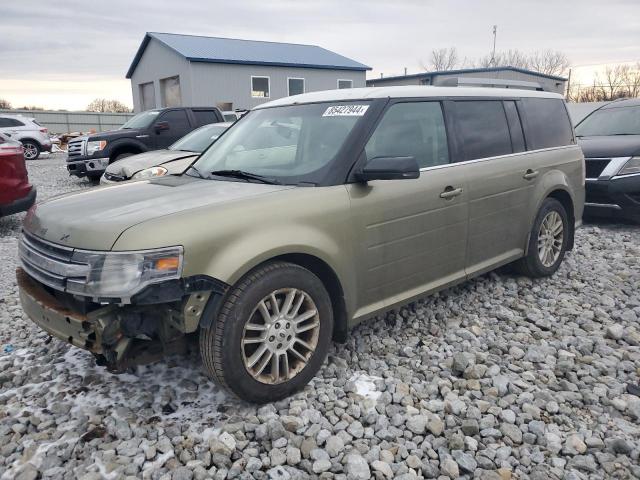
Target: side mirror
column 389, row 168
column 161, row 126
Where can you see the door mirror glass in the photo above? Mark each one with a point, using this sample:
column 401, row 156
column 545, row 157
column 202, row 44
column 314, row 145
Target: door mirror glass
column 389, row 168
column 160, row 126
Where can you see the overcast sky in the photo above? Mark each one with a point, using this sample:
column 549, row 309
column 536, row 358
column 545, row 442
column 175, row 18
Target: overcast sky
column 63, row 54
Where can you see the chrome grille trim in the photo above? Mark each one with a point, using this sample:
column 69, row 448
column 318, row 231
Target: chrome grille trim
column 48, row 263
column 76, row 148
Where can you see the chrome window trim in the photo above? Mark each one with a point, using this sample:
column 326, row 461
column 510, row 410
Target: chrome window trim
column 487, row 159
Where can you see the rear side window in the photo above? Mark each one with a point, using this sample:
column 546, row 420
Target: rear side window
column 411, row 130
column 204, row 117
column 547, row 123
column 4, row 122
column 482, row 129
column 10, row 122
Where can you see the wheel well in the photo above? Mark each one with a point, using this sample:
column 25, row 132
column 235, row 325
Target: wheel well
column 331, row 282
column 124, row 149
column 565, row 199
column 24, row 139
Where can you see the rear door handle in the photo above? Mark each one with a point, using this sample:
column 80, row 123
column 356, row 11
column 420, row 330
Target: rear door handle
column 450, row 192
column 530, row 174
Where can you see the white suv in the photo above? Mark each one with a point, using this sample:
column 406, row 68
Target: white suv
column 34, row 137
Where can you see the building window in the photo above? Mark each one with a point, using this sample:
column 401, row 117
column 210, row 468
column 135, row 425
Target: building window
column 260, row 87
column 147, row 96
column 170, row 90
column 295, row 85
column 345, row 84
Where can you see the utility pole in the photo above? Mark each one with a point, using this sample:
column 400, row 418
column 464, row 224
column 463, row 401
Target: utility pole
column 493, row 53
column 568, row 85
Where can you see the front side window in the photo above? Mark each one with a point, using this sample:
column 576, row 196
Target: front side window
column 482, row 129
column 290, row 144
column 547, row 123
column 296, row 86
column 345, row 84
column 260, row 87
column 177, row 119
column 413, row 129
column 141, row 120
column 611, row 121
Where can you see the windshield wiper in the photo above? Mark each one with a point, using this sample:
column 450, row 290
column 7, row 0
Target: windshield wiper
column 244, row 175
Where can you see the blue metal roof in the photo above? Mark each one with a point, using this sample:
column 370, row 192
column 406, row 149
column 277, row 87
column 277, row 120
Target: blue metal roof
column 248, row 52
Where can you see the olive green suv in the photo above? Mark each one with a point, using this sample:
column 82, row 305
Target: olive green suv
column 309, row 215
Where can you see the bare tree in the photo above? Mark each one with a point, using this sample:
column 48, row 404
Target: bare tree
column 550, row 62
column 105, row 105
column 443, row 59
column 617, row 81
column 5, row 104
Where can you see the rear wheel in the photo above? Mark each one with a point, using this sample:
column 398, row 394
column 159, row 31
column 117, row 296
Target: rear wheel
column 548, row 241
column 31, row 149
column 272, row 333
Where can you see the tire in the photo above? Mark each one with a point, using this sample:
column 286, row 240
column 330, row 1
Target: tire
column 31, row 149
column 94, row 177
column 544, row 260
column 239, row 367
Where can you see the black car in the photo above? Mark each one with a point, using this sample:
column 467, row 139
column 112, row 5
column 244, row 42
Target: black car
column 89, row 155
column 610, row 140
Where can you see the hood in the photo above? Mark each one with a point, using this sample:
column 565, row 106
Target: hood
column 128, row 166
column 112, row 135
column 94, row 219
column 610, row 146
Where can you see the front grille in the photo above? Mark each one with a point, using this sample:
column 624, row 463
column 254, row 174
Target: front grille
column 75, row 149
column 48, row 263
column 595, row 166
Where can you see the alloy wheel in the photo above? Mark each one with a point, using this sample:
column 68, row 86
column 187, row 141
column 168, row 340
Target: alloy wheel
column 550, row 239
column 30, row 151
column 280, row 336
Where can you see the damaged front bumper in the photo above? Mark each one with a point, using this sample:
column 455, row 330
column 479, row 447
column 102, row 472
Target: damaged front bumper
column 121, row 336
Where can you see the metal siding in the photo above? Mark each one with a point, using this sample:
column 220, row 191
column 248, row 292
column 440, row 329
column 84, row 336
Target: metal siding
column 157, row 62
column 217, row 83
column 547, row 84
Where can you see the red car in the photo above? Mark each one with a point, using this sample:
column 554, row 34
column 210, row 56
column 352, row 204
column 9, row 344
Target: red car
column 16, row 193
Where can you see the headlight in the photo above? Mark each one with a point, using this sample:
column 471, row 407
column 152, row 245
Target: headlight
column 123, row 274
column 151, row 172
column 95, row 146
column 632, row 166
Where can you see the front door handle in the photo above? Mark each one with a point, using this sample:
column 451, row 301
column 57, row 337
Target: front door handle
column 530, row 174
column 450, row 192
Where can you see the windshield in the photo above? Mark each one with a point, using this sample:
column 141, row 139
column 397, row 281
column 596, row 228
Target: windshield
column 611, row 121
column 142, row 120
column 200, row 139
column 291, row 144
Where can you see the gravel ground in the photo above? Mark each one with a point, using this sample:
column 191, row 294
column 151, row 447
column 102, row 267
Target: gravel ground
column 501, row 377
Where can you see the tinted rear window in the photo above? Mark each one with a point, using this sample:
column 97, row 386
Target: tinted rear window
column 482, row 129
column 204, row 117
column 547, row 123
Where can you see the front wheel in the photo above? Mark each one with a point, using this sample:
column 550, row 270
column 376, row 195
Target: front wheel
column 31, row 150
column 272, row 333
column 548, row 241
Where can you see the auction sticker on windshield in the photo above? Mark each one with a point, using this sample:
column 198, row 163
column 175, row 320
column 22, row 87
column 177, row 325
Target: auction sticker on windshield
column 345, row 111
